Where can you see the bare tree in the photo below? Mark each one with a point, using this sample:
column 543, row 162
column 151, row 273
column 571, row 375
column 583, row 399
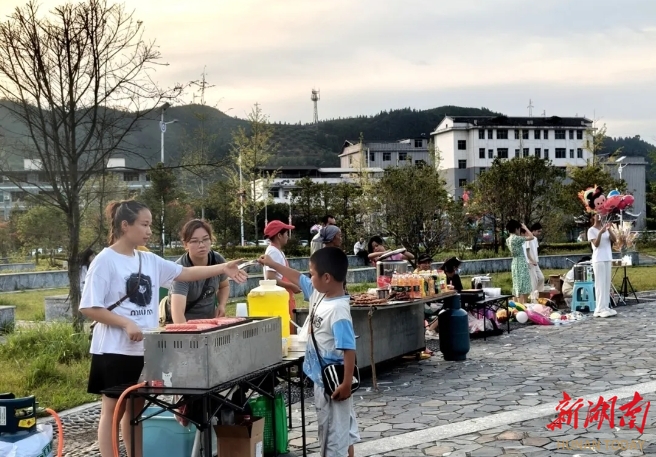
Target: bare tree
column 77, row 80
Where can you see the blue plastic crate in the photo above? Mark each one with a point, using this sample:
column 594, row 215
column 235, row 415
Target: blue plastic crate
column 163, row 435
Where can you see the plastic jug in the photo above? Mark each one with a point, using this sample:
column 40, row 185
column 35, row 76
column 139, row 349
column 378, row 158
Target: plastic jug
column 270, row 300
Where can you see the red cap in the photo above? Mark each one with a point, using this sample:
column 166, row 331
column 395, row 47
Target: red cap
column 275, row 227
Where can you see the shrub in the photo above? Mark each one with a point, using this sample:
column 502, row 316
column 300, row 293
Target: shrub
column 57, row 342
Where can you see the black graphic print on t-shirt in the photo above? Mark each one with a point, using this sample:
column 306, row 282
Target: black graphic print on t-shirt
column 141, row 295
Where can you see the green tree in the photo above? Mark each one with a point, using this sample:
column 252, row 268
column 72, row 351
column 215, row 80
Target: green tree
column 306, row 202
column 346, row 209
column 30, row 229
column 221, row 211
column 165, row 193
column 77, row 83
column 414, row 204
column 524, row 188
column 252, row 150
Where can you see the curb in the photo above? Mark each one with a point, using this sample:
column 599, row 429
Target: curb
column 79, row 409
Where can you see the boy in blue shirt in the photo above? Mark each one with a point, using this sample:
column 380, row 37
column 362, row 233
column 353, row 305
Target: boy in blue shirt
column 333, row 330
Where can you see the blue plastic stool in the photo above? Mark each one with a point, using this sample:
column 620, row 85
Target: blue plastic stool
column 583, row 295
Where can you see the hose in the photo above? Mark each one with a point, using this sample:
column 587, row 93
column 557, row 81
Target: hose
column 117, row 419
column 60, row 430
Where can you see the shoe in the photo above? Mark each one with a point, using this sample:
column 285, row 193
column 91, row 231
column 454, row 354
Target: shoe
column 605, row 314
column 612, row 312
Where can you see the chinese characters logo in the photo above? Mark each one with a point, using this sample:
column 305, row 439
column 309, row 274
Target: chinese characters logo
column 632, row 414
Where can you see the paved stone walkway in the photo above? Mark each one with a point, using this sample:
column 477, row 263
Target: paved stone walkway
column 506, row 392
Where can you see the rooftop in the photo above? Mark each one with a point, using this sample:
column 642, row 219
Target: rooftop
column 553, row 121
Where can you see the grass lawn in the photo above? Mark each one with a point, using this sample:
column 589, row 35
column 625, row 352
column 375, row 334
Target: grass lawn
column 48, row 361
column 29, row 303
column 642, row 278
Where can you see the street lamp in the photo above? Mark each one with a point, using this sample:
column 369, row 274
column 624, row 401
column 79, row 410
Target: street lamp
column 241, row 201
column 619, row 171
column 162, row 127
column 620, row 166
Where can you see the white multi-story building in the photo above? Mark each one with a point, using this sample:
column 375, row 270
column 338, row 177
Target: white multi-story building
column 385, row 154
column 467, row 145
column 34, row 181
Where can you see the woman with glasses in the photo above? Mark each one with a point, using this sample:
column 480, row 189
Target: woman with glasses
column 196, row 300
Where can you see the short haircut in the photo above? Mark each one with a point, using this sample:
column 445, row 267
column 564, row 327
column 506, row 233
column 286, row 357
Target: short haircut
column 190, row 227
column 536, row 226
column 326, row 218
column 513, row 225
column 330, row 260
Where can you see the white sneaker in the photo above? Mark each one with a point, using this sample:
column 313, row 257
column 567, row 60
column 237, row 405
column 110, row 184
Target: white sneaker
column 612, row 312
column 605, row 314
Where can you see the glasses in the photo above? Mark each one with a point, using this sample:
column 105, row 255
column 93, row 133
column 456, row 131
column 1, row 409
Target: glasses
column 204, row 241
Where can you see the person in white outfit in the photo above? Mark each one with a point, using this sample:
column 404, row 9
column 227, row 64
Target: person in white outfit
column 537, row 278
column 602, row 255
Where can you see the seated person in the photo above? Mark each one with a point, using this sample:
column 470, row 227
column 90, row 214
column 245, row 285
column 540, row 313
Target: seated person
column 568, row 281
column 377, row 248
column 453, row 282
column 424, row 263
column 451, row 268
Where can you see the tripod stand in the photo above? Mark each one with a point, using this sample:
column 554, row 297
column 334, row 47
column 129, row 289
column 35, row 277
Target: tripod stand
column 626, row 284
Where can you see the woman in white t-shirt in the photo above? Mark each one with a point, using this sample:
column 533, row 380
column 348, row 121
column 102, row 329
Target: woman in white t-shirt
column 117, row 351
column 601, row 240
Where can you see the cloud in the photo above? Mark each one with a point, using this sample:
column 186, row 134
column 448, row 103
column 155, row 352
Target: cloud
column 367, row 55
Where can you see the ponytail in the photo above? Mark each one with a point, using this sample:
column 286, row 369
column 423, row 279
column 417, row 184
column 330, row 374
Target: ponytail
column 119, row 211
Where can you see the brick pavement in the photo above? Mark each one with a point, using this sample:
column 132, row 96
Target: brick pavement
column 427, row 407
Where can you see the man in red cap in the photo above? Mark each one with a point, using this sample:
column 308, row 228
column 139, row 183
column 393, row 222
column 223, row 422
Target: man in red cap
column 277, row 233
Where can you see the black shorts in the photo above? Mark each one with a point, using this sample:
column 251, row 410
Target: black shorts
column 112, row 370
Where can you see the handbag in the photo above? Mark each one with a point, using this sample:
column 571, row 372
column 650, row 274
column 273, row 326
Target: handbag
column 168, row 319
column 332, row 374
column 133, row 289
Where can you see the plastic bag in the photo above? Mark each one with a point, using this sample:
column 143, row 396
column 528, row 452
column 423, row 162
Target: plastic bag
column 475, row 324
column 38, row 444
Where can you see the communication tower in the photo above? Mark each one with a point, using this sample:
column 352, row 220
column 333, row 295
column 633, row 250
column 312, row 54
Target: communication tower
column 316, row 96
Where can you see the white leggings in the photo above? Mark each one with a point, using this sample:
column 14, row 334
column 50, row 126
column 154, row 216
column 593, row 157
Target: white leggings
column 602, row 272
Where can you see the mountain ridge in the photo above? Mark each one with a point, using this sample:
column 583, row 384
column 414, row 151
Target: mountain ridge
column 299, row 144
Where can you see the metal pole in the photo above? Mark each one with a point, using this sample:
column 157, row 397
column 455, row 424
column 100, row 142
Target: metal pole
column 161, row 217
column 202, row 193
column 619, row 170
column 241, row 201
column 266, row 204
column 290, row 211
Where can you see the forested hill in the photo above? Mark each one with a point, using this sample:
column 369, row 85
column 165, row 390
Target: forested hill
column 298, row 144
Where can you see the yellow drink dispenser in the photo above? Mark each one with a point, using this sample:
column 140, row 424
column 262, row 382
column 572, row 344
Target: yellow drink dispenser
column 270, row 300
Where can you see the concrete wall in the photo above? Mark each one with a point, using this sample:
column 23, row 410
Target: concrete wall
column 33, row 280
column 16, row 267
column 357, row 273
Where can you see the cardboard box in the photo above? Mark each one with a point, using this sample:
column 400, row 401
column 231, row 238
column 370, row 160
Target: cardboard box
column 241, row 441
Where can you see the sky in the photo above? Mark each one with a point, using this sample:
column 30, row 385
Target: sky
column 569, row 57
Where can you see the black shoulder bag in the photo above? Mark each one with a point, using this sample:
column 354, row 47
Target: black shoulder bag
column 132, row 290
column 332, row 375
column 203, row 293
